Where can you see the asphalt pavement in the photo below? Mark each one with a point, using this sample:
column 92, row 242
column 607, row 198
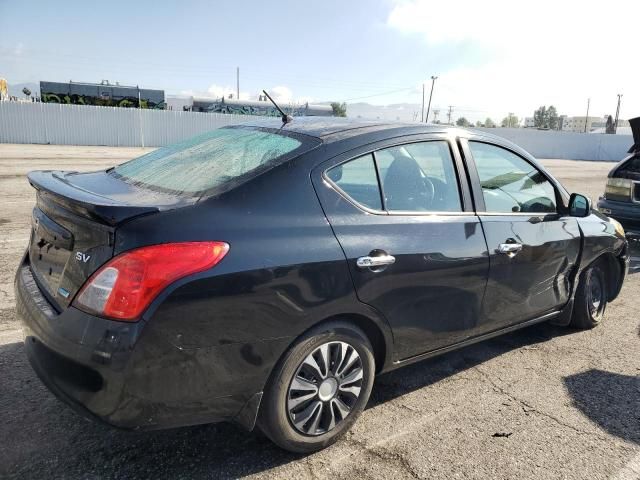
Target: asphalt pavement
column 544, row 402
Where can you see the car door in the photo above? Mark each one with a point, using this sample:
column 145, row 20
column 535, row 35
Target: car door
column 415, row 247
column 533, row 246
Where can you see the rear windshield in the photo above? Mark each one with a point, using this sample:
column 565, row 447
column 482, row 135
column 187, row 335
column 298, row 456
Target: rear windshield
column 213, row 162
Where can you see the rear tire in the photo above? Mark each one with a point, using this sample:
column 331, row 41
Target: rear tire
column 591, row 299
column 318, row 389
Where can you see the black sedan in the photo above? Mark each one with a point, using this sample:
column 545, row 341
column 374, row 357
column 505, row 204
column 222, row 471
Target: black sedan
column 621, row 198
column 265, row 273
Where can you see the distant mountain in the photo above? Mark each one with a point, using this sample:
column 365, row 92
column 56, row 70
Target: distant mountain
column 16, row 89
column 404, row 112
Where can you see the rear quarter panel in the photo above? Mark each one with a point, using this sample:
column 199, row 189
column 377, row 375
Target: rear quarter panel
column 284, row 273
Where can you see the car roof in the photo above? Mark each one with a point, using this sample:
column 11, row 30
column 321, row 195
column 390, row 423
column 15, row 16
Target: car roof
column 333, row 128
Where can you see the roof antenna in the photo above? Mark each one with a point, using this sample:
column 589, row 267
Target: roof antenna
column 285, row 118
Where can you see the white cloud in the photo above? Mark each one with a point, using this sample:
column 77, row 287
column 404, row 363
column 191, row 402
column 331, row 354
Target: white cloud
column 284, row 95
column 542, row 52
column 281, row 94
column 220, row 91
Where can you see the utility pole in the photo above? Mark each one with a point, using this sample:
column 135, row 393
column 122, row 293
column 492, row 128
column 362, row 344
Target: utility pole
column 422, row 120
column 586, row 119
column 449, row 114
column 436, row 112
column 140, row 120
column 237, row 83
column 433, row 81
column 615, row 128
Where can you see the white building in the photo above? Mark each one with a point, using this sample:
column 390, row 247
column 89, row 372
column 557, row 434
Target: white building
column 529, row 122
column 580, row 124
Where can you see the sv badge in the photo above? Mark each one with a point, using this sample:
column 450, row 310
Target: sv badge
column 82, row 257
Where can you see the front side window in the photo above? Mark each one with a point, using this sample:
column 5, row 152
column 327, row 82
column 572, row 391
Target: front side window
column 419, row 177
column 509, row 183
column 357, row 178
column 212, row 162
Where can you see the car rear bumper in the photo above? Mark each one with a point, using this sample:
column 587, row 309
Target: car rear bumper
column 627, row 213
column 126, row 375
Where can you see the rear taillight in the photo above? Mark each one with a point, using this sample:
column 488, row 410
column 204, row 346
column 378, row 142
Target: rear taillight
column 618, row 189
column 125, row 286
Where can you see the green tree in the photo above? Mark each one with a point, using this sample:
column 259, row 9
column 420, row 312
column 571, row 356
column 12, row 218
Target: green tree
column 489, row 123
column 462, row 122
column 510, row 121
column 339, row 109
column 540, row 117
column 479, row 124
column 552, row 118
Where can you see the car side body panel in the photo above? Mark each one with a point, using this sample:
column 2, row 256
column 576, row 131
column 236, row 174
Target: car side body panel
column 432, row 295
column 205, row 348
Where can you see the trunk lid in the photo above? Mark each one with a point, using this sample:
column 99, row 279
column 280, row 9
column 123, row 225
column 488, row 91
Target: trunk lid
column 74, row 222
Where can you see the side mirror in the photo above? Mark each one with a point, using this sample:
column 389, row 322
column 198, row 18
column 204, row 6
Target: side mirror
column 579, row 205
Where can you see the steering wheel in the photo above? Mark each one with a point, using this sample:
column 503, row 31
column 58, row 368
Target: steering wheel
column 430, row 191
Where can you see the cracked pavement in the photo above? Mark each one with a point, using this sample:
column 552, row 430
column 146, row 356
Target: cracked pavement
column 563, row 403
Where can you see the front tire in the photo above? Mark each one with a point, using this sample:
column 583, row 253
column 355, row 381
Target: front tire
column 591, row 299
column 318, row 389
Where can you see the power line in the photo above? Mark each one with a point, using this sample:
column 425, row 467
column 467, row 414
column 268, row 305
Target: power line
column 378, row 94
column 125, row 64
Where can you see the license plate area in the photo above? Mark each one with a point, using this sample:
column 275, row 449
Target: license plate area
column 49, row 251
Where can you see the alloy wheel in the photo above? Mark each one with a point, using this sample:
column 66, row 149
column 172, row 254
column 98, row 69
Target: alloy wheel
column 325, row 388
column 596, row 294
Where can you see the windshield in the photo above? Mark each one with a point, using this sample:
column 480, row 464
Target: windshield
column 213, row 162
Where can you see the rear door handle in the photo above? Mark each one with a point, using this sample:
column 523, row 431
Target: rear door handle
column 377, row 261
column 510, row 249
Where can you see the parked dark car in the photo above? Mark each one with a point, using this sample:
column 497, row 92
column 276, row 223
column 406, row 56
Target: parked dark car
column 266, row 273
column 621, row 198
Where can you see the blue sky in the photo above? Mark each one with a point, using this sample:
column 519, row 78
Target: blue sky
column 493, row 59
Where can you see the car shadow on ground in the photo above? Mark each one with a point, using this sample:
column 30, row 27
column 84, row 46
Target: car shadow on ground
column 610, row 400
column 47, row 436
column 48, row 439
column 427, row 372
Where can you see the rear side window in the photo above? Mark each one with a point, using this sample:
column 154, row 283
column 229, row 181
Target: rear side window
column 213, row 162
column 510, row 184
column 419, row 177
column 416, row 177
column 357, row 178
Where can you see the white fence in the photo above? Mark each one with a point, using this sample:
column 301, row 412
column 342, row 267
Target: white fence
column 47, row 123
column 568, row 145
column 84, row 125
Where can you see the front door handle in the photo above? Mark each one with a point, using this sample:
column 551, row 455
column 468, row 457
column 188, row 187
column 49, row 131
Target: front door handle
column 510, row 249
column 377, row 261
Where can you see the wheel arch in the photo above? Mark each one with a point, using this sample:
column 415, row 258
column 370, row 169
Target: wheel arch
column 613, row 274
column 610, row 264
column 378, row 335
column 373, row 332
